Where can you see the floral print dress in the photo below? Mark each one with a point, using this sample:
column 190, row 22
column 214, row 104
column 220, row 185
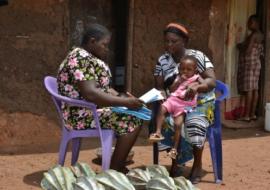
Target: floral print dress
column 78, row 66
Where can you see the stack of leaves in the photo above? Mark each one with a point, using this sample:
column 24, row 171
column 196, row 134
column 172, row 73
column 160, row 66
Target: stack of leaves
column 82, row 177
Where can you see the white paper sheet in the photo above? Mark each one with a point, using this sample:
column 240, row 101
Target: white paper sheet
column 151, row 96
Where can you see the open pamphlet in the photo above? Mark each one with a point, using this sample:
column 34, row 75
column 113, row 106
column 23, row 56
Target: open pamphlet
column 142, row 113
column 151, row 96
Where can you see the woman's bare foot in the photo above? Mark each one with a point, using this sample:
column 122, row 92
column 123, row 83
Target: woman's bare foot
column 124, row 170
column 196, row 174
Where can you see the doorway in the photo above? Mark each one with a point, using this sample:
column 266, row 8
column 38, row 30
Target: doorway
column 120, row 19
column 238, row 13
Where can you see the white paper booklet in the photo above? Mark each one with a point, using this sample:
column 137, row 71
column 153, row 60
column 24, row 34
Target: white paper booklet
column 152, row 96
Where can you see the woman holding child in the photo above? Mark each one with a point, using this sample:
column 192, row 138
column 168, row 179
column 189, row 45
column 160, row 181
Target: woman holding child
column 200, row 117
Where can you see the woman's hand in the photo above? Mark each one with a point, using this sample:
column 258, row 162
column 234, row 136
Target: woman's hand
column 123, row 95
column 164, row 94
column 192, row 90
column 134, row 103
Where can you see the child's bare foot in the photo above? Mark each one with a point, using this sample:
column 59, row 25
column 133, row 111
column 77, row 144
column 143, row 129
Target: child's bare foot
column 156, row 137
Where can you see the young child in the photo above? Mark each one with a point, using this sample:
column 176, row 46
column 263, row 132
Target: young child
column 179, row 100
column 249, row 68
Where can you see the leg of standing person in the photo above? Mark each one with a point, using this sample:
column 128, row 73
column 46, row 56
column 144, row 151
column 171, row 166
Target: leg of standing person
column 242, row 105
column 123, row 146
column 254, row 102
column 248, row 99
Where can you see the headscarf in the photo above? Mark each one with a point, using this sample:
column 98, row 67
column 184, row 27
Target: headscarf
column 178, row 29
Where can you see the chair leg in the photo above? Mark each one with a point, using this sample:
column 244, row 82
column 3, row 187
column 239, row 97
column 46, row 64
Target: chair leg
column 218, row 144
column 152, row 129
column 155, row 153
column 106, row 146
column 62, row 151
column 215, row 149
column 217, row 134
column 76, row 145
column 211, row 141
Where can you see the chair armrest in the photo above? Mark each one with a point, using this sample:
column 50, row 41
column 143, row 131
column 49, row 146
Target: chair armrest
column 79, row 103
column 84, row 104
column 222, row 97
column 223, row 89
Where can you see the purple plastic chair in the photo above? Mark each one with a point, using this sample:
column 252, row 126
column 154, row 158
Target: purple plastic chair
column 106, row 135
column 213, row 134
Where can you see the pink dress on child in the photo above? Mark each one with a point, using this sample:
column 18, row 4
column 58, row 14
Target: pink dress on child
column 176, row 104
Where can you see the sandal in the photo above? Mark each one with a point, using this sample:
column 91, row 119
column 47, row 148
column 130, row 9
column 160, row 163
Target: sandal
column 247, row 119
column 172, row 153
column 154, row 137
column 254, row 117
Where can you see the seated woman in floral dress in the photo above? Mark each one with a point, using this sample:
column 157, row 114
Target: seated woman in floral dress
column 84, row 75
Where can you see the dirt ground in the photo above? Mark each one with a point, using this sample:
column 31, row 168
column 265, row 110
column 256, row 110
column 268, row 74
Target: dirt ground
column 246, row 163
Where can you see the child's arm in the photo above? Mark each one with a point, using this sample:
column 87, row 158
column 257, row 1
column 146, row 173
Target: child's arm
column 201, row 85
column 255, row 38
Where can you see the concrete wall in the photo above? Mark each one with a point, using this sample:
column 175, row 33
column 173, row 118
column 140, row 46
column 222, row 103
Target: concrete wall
column 217, row 18
column 86, row 12
column 34, row 38
column 36, row 35
column 33, row 41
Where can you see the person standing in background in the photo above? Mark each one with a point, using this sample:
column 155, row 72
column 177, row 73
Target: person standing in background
column 250, row 53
